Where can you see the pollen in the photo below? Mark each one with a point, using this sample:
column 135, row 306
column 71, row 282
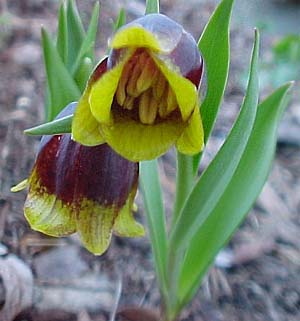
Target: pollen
column 143, row 88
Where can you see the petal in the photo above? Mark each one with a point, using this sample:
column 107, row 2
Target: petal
column 94, row 225
column 103, row 91
column 154, row 31
column 85, row 127
column 75, row 187
column 20, row 186
column 136, row 141
column 45, row 213
column 135, row 36
column 192, row 139
column 125, row 224
column 185, row 91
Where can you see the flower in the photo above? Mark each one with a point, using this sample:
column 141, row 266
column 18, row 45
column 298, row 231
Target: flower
column 85, row 189
column 143, row 98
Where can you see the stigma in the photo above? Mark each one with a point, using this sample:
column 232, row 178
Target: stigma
column 144, row 89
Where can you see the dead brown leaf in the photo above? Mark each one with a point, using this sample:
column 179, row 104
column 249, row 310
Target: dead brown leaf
column 138, row 314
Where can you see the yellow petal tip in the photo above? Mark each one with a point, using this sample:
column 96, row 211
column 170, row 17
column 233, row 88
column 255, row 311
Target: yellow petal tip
column 20, row 186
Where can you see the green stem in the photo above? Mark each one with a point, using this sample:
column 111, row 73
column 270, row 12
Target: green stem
column 184, row 183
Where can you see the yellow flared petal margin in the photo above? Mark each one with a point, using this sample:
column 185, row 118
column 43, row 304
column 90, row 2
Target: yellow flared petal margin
column 125, row 224
column 45, row 213
column 85, row 128
column 185, row 91
column 103, row 91
column 20, row 186
column 135, row 36
column 141, row 142
column 102, row 94
column 93, row 222
column 191, row 141
column 94, row 225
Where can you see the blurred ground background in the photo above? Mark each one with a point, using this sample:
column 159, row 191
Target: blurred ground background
column 257, row 277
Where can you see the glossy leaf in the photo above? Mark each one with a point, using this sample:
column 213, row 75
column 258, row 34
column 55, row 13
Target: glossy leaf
column 215, row 48
column 239, row 196
column 152, row 195
column 152, row 6
column 213, row 182
column 57, row 126
column 62, row 87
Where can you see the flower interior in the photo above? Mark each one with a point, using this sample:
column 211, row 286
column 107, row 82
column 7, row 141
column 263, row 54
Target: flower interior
column 144, row 91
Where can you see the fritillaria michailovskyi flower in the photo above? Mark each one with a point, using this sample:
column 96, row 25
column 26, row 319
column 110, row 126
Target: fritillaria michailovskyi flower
column 85, row 189
column 143, row 98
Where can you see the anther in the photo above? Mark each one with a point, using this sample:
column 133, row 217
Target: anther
column 121, row 93
column 163, row 103
column 147, row 108
column 131, row 85
column 147, row 76
column 159, row 86
column 129, row 102
column 171, row 101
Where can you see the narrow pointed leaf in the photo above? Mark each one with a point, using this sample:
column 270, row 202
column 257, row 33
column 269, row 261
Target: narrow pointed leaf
column 239, row 195
column 62, row 34
column 215, row 49
column 153, row 203
column 121, row 20
column 76, row 32
column 88, row 44
column 152, row 6
column 62, row 87
column 212, row 184
column 58, row 126
column 217, row 176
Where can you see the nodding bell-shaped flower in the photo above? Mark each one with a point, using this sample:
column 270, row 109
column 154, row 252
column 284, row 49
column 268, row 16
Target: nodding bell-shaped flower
column 85, row 189
column 143, row 98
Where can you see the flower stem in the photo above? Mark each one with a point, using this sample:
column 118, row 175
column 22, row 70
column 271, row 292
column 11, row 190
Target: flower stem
column 184, row 183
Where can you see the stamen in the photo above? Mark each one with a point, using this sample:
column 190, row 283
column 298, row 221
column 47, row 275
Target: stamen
column 162, row 107
column 171, row 101
column 147, row 76
column 129, row 102
column 121, row 93
column 131, row 86
column 159, row 86
column 147, row 108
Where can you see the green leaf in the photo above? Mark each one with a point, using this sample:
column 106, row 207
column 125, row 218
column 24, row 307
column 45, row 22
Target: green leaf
column 83, row 73
column 152, row 195
column 58, row 126
column 214, row 181
column 88, row 44
column 62, row 34
column 76, row 33
column 121, row 20
column 239, row 195
column 62, row 87
column 152, row 6
column 215, row 48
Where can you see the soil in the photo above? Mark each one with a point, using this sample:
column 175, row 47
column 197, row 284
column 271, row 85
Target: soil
column 257, row 277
